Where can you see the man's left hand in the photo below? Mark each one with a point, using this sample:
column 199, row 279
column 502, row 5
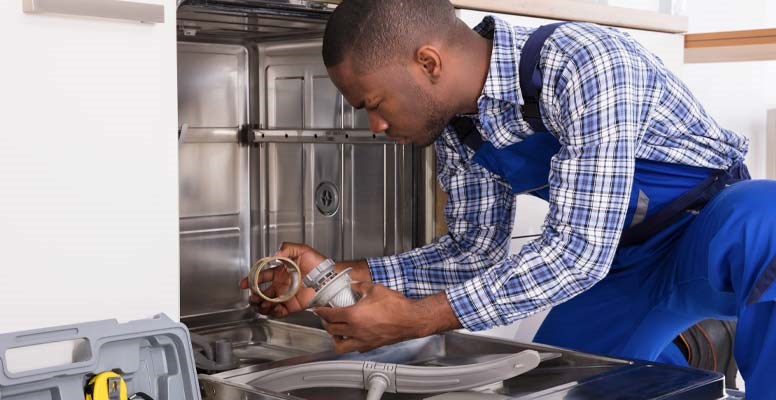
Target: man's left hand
column 383, row 317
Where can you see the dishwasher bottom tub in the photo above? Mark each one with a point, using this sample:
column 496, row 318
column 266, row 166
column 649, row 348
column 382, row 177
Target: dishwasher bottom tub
column 265, row 345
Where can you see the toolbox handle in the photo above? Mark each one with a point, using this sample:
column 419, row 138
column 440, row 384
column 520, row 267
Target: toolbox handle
column 34, row 339
column 95, row 333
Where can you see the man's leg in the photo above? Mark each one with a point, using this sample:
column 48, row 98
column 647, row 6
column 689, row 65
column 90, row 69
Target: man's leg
column 731, row 245
column 623, row 315
column 721, row 266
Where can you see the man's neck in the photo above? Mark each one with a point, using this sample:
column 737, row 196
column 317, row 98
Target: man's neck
column 476, row 59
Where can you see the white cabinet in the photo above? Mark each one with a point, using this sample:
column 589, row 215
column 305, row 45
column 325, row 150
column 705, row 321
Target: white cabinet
column 88, row 168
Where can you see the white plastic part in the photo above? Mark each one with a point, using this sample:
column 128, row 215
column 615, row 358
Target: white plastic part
column 379, row 378
column 331, row 289
column 376, row 386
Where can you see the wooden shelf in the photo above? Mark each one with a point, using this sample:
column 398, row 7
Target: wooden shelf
column 571, row 10
column 752, row 45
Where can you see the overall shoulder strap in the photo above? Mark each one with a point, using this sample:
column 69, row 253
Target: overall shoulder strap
column 530, row 87
column 531, row 77
column 467, row 132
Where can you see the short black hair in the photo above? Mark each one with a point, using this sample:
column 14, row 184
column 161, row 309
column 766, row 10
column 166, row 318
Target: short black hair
column 376, row 32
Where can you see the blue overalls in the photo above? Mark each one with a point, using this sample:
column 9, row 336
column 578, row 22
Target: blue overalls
column 698, row 243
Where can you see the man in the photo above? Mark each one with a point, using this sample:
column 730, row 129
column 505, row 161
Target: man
column 652, row 225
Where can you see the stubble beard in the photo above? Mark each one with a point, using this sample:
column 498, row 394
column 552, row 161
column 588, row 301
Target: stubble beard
column 435, row 120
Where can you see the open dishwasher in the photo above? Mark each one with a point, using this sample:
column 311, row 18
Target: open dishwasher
column 271, row 152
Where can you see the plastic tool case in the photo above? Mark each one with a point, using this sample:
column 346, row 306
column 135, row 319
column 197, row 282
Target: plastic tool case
column 154, row 356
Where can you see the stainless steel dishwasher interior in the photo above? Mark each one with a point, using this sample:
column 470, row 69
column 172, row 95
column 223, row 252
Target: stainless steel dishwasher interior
column 270, row 152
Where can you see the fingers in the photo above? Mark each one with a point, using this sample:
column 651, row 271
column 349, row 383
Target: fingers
column 291, row 250
column 267, row 275
column 244, row 283
column 333, row 315
column 346, row 345
column 260, row 305
column 279, row 311
column 338, row 329
column 265, row 307
column 362, row 288
column 304, row 256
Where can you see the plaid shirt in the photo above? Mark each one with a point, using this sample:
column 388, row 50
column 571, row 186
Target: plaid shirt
column 608, row 101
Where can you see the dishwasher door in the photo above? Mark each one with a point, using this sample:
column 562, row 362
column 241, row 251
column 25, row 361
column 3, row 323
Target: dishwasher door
column 562, row 374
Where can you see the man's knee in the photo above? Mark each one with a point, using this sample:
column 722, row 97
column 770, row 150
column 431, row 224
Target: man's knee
column 755, row 199
column 742, row 248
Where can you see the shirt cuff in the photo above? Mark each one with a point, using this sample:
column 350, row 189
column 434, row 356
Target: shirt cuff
column 387, row 271
column 474, row 305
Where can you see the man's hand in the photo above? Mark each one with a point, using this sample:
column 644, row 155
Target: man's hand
column 384, row 316
column 306, row 258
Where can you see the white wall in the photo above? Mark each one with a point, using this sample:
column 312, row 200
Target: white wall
column 88, row 169
column 738, row 94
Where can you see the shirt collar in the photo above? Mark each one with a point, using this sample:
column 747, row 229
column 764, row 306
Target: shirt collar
column 502, row 83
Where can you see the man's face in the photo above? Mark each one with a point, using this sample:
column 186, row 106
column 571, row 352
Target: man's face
column 397, row 101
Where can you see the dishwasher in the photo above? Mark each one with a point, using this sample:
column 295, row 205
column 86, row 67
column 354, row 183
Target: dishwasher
column 269, row 151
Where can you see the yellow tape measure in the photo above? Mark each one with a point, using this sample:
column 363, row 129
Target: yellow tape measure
column 106, row 386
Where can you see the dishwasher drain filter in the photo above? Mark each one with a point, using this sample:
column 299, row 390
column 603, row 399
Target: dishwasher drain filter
column 331, row 289
column 327, row 199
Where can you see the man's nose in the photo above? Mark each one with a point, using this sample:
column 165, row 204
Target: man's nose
column 377, row 123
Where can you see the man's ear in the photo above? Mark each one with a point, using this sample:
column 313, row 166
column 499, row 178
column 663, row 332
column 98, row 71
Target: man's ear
column 430, row 61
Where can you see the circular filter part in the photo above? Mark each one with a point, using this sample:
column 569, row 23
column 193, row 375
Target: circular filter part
column 265, row 272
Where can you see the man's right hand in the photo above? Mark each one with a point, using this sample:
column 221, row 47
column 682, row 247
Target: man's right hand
column 307, row 259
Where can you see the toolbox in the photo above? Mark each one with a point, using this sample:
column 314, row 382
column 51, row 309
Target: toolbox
column 149, row 358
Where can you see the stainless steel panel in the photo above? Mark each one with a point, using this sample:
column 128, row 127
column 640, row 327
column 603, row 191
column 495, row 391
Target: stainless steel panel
column 209, row 175
column 115, row 9
column 213, row 177
column 211, row 268
column 285, row 204
column 327, row 109
column 361, row 119
column 323, row 166
column 289, row 103
column 211, row 85
column 406, row 199
column 363, row 225
column 365, row 216
column 398, row 194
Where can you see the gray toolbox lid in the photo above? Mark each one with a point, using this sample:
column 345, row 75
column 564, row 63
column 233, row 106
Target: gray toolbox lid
column 154, row 356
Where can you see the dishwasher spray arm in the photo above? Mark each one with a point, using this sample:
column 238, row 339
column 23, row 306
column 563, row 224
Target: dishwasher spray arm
column 379, row 378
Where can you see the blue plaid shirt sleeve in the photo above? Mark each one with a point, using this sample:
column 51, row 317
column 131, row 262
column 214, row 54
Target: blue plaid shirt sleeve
column 479, row 214
column 598, row 107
